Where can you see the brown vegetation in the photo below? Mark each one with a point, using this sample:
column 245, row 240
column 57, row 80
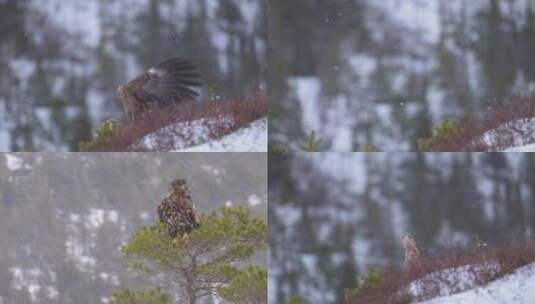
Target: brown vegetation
column 228, row 115
column 389, row 288
column 467, row 133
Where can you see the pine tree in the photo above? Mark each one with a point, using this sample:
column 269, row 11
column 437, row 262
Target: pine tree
column 128, row 296
column 205, row 261
column 249, row 287
column 312, row 143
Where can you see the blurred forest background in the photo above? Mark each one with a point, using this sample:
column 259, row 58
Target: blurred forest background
column 64, row 217
column 62, row 60
column 366, row 73
column 334, row 216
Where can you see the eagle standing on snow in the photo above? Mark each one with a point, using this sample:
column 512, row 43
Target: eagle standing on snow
column 177, row 211
column 166, row 83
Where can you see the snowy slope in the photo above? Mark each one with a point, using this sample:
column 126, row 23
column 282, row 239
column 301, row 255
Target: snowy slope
column 525, row 148
column 451, row 281
column 197, row 136
column 515, row 288
column 251, row 138
column 519, row 135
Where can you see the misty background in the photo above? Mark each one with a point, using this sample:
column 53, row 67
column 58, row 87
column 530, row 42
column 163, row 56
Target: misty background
column 64, row 217
column 61, row 61
column 364, row 73
column 335, row 216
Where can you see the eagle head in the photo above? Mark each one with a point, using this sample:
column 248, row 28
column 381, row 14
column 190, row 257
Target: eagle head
column 178, row 183
column 120, row 92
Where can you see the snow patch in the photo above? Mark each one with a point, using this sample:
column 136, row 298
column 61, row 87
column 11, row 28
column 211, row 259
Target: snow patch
column 364, row 65
column 254, row 200
column 22, row 67
column 519, row 133
column 251, row 138
column 515, row 288
column 13, row 163
column 184, row 134
column 97, row 217
column 28, row 279
column 525, row 148
column 212, row 170
column 451, row 280
column 307, row 90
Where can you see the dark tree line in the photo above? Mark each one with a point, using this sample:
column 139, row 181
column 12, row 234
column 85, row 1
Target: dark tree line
column 480, row 56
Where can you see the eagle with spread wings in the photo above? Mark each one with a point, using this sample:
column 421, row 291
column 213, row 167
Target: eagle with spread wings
column 169, row 82
column 177, row 211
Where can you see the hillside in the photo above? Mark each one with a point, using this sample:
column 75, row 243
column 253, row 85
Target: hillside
column 238, row 125
column 481, row 274
column 511, row 289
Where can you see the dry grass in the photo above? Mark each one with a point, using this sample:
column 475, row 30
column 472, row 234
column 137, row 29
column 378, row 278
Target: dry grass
column 468, row 133
column 395, row 279
column 126, row 137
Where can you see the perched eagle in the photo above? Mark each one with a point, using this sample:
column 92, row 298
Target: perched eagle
column 169, row 82
column 177, row 211
column 412, row 252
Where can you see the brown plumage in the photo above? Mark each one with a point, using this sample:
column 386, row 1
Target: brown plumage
column 176, row 210
column 169, row 82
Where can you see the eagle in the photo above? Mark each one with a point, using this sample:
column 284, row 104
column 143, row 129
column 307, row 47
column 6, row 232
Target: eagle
column 412, row 252
column 171, row 81
column 176, row 210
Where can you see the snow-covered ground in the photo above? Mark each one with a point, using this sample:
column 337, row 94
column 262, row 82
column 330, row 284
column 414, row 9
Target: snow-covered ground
column 520, row 134
column 196, row 136
column 251, row 138
column 450, row 281
column 525, row 148
column 515, row 288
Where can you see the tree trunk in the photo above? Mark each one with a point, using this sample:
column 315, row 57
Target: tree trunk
column 191, row 281
column 189, row 290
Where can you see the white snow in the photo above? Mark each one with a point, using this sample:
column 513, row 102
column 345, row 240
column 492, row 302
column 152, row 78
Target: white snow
column 195, row 136
column 519, row 133
column 79, row 246
column 22, row 67
column 341, row 131
column 307, row 90
column 419, row 16
column 251, row 138
column 254, row 200
column 29, row 279
column 52, row 293
column 97, row 217
column 452, row 280
column 515, row 288
column 525, row 148
column 364, row 66
column 13, row 163
column 212, row 170
column 184, row 134
column 341, row 167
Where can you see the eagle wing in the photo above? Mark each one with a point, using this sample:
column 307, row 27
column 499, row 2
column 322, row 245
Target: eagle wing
column 170, row 81
column 189, row 215
column 161, row 214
